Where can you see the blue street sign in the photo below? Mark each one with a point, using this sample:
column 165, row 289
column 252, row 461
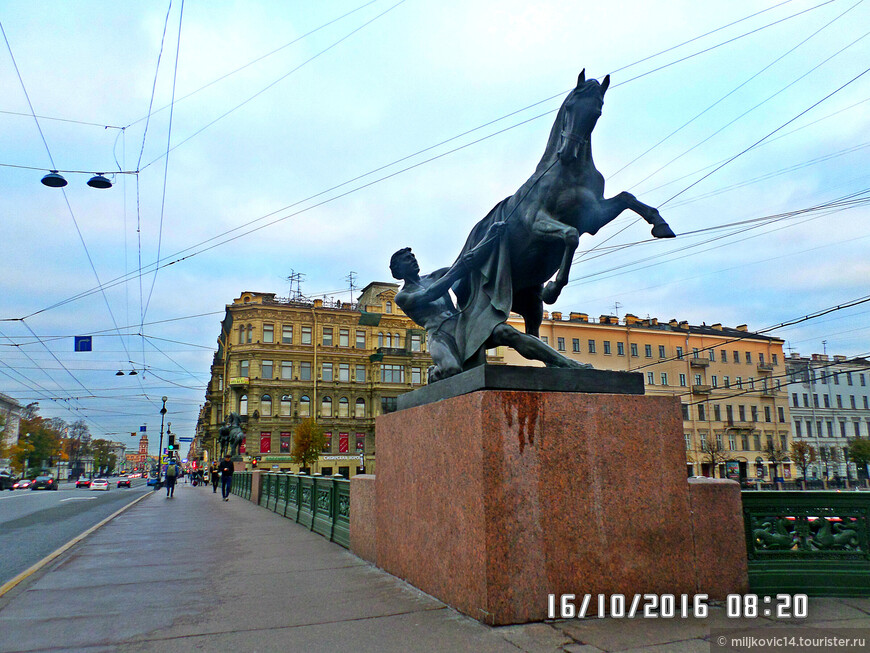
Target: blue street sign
column 141, row 428
column 82, row 343
column 185, row 439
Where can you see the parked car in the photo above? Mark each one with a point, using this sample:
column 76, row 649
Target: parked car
column 83, row 482
column 153, row 482
column 123, row 481
column 100, row 484
column 6, row 481
column 43, row 483
column 23, row 484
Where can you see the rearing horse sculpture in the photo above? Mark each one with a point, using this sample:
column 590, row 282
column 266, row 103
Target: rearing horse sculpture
column 544, row 219
column 231, row 435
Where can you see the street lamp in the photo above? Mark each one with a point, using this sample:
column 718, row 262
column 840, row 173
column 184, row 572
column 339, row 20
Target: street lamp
column 160, row 449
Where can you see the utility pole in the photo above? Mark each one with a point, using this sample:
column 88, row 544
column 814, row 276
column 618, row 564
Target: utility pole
column 295, row 278
column 351, row 278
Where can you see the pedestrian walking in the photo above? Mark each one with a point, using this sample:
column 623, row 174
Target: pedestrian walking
column 215, row 477
column 171, row 477
column 226, row 470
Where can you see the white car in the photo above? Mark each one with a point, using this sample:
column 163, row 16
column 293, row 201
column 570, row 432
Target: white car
column 100, row 484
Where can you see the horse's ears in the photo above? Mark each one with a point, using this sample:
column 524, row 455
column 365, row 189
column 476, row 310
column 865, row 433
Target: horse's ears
column 581, row 78
column 604, row 84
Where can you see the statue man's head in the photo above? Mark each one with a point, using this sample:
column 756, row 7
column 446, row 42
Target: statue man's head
column 403, row 264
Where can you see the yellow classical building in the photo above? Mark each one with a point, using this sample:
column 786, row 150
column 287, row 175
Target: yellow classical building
column 280, row 361
column 731, row 382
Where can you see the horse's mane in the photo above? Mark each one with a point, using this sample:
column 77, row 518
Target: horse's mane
column 554, row 141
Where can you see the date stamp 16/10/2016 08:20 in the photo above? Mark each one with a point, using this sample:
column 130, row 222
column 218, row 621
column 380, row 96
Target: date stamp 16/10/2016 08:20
column 673, row 606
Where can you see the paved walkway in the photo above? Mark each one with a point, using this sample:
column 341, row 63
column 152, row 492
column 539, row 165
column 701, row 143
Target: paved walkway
column 197, row 573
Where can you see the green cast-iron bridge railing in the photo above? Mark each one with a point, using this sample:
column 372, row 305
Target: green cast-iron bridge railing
column 814, row 543
column 320, row 503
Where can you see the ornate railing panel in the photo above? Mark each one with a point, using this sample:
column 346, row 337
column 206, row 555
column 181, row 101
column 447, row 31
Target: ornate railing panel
column 816, row 543
column 306, row 501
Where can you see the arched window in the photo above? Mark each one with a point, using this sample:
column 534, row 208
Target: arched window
column 286, row 404
column 243, row 405
column 380, row 339
column 343, row 407
column 359, row 409
column 250, row 333
column 266, row 406
column 326, row 407
column 241, row 334
column 304, row 406
column 389, row 307
column 388, row 340
column 396, row 341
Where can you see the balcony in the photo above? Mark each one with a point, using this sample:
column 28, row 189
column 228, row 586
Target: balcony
column 697, row 361
column 768, row 392
column 741, row 424
column 393, row 351
column 765, row 367
column 701, row 389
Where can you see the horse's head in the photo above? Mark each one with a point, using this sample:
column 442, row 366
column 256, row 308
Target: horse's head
column 582, row 108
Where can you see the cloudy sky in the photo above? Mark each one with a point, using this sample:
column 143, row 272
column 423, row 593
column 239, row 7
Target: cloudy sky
column 319, row 137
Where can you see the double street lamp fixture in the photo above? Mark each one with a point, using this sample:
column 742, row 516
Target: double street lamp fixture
column 56, row 180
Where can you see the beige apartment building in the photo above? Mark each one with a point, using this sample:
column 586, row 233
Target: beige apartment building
column 280, row 361
column 731, row 382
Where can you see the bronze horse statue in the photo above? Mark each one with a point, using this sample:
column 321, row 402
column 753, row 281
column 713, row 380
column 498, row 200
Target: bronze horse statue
column 544, row 219
column 231, row 435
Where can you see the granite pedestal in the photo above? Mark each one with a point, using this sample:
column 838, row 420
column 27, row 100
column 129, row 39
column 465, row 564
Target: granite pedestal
column 494, row 499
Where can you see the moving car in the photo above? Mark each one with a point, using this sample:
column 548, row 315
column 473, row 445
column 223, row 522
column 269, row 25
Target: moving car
column 43, row 483
column 153, row 482
column 123, row 481
column 6, row 481
column 83, row 482
column 100, row 484
column 23, row 484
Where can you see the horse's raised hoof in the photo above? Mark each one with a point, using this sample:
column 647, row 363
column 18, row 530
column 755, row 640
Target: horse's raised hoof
column 550, row 293
column 663, row 231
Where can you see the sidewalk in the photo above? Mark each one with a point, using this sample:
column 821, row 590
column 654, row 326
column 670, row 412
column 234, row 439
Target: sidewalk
column 197, row 573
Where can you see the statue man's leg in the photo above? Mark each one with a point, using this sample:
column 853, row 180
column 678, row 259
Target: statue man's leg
column 531, row 348
column 443, row 352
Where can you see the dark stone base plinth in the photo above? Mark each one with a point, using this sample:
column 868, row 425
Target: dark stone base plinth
column 533, row 379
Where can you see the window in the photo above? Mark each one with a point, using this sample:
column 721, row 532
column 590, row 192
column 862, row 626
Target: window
column 392, row 374
column 732, row 442
column 828, row 401
column 702, row 413
column 857, row 428
column 848, row 378
column 560, row 343
column 416, row 342
column 698, row 379
column 607, row 347
column 344, row 338
column 416, row 375
column 729, row 413
column 756, row 437
column 591, row 346
column 717, row 413
column 866, row 407
column 662, row 351
column 830, row 429
column 344, row 372
column 809, row 429
column 388, row 405
column 633, row 347
column 266, row 368
column 767, row 415
column 342, row 442
column 326, row 407
column 685, row 411
column 326, row 371
column 545, row 340
column 861, row 379
column 327, row 442
column 647, row 351
column 286, row 404
column 575, row 345
column 712, row 355
column 359, row 408
column 287, row 334
column 695, row 352
column 287, row 370
column 736, row 356
column 360, row 374
column 268, row 333
column 285, row 442
column 751, row 383
column 744, row 442
column 852, row 401
column 680, row 353
column 815, row 401
column 780, row 411
column 650, row 378
column 396, row 342
column 726, row 381
column 250, row 333
column 806, row 400
column 389, row 307
column 688, row 439
column 327, row 336
column 843, row 429
column 664, row 377
column 360, row 339
column 620, row 349
column 797, row 429
column 749, row 357
column 243, row 405
column 754, row 412
column 741, row 412
column 305, row 371
column 265, row 442
column 241, row 334
column 724, row 355
column 714, row 381
column 683, row 380
column 773, row 359
column 306, row 335
column 739, row 381
column 266, row 406
column 794, row 399
column 344, row 407
column 761, row 359
column 360, row 442
column 244, row 368
column 836, row 378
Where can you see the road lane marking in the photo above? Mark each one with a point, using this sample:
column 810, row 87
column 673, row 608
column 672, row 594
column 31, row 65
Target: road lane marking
column 78, row 499
column 51, row 556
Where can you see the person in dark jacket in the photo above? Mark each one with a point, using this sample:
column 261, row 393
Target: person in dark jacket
column 226, row 470
column 215, row 476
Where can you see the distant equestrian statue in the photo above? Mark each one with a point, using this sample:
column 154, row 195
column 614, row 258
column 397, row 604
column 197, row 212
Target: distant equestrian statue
column 231, row 435
column 519, row 256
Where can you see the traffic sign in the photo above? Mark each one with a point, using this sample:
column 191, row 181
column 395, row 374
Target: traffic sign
column 185, row 439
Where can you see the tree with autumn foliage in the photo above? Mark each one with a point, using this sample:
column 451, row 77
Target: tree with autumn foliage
column 803, row 454
column 859, row 453
column 39, row 445
column 307, row 443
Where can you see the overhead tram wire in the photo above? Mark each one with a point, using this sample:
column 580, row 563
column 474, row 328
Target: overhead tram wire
column 277, row 81
column 146, row 269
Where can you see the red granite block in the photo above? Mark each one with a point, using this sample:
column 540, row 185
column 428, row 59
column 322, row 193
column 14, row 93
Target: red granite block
column 720, row 543
column 363, row 533
column 492, row 500
column 256, row 485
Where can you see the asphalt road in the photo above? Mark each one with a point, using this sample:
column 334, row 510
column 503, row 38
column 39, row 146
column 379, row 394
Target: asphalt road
column 35, row 523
